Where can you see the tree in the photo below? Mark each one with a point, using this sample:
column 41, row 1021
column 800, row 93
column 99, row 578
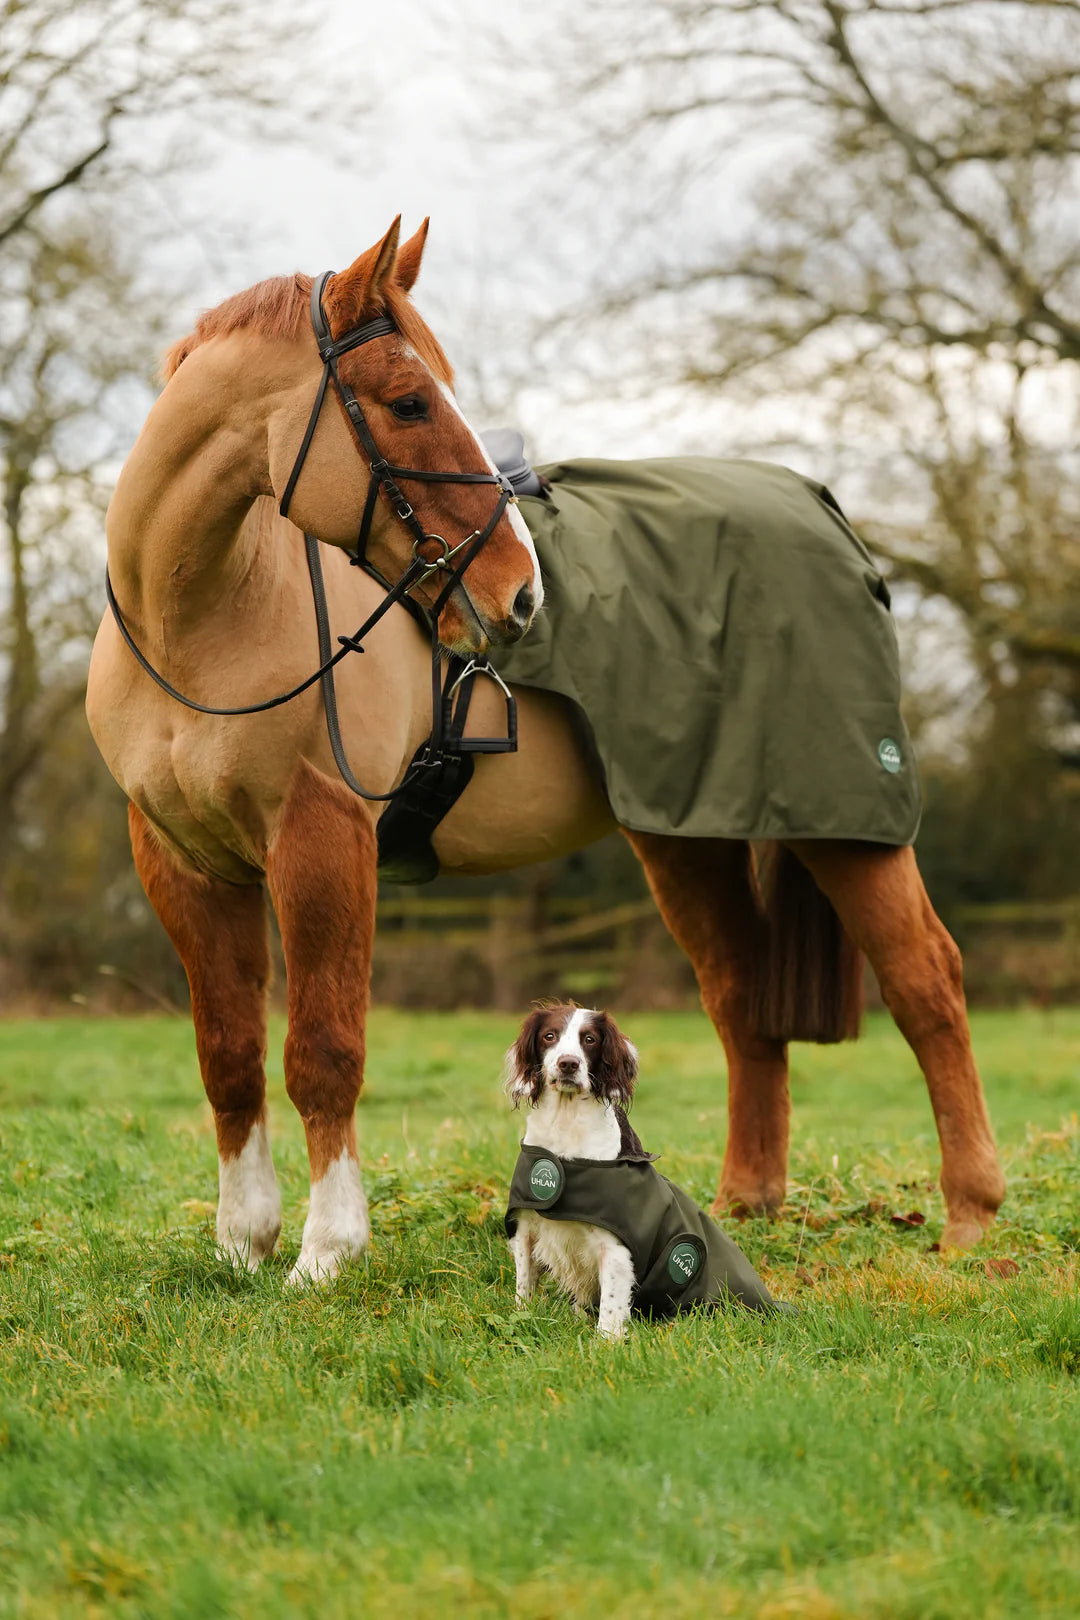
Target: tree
column 856, row 221
column 101, row 109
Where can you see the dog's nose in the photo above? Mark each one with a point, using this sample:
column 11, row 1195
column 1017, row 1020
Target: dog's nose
column 568, row 1066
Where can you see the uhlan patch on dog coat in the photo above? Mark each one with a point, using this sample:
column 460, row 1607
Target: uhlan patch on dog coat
column 681, row 1257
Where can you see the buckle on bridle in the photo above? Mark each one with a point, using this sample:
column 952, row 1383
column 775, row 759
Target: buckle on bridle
column 439, row 562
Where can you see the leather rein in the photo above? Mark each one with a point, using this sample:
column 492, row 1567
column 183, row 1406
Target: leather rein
column 448, row 722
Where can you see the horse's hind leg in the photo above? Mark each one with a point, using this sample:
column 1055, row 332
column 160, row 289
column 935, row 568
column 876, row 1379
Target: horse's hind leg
column 322, row 877
column 706, row 893
column 880, row 899
column 220, row 934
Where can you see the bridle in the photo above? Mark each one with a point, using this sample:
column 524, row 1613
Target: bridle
column 448, row 721
column 384, row 474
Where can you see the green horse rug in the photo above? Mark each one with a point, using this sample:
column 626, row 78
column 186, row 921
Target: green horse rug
column 727, row 641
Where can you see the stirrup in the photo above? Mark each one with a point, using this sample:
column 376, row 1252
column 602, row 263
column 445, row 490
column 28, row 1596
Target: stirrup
column 484, row 745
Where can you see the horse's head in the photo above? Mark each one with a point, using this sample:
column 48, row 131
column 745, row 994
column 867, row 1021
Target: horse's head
column 402, row 382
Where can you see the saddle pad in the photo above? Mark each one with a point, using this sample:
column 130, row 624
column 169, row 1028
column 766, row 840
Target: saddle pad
column 727, row 640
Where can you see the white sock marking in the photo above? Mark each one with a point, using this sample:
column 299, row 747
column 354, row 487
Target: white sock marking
column 249, row 1203
column 337, row 1227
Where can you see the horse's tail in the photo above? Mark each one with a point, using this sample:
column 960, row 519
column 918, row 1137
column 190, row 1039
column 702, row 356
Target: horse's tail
column 808, row 984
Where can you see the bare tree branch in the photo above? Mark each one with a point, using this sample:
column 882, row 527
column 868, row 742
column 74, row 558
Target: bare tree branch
column 70, row 177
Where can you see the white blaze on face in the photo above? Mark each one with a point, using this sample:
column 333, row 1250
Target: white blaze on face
column 513, row 516
column 249, row 1203
column 569, row 1045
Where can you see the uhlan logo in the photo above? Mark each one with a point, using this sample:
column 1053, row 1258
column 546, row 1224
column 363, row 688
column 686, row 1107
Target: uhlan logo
column 889, row 754
column 683, row 1262
column 545, row 1178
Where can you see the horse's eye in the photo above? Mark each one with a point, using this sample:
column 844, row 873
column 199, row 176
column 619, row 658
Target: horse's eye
column 410, row 408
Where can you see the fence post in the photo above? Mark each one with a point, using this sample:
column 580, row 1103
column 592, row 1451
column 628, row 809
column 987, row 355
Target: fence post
column 507, row 920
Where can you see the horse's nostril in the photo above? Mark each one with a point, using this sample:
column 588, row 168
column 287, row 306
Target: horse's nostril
column 524, row 603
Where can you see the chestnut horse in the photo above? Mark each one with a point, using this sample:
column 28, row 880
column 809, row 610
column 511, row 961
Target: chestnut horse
column 223, row 811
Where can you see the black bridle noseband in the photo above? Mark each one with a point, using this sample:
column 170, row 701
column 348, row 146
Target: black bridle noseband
column 448, row 721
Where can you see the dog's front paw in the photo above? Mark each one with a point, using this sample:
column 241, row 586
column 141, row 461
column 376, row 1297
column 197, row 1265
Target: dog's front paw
column 611, row 1325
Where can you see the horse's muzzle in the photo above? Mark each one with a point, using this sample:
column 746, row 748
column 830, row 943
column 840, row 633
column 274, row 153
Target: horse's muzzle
column 507, row 631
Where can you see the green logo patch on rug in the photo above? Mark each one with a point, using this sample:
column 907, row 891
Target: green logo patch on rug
column 545, row 1179
column 889, row 754
column 684, row 1263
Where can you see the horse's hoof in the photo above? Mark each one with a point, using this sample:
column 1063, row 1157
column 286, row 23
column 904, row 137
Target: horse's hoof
column 319, row 1266
column 239, row 1256
column 964, row 1231
column 314, row 1270
column 744, row 1202
column 248, row 1252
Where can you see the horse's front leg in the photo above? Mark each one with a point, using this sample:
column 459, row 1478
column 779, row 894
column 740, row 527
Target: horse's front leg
column 321, row 870
column 220, row 934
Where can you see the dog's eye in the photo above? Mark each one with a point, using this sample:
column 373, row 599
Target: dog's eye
column 548, row 1036
column 410, row 408
column 589, row 1040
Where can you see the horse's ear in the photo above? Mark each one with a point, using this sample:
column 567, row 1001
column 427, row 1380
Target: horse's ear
column 408, row 259
column 360, row 290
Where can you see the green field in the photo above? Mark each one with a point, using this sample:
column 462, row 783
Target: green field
column 179, row 1440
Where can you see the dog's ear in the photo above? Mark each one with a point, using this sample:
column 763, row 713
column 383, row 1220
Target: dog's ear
column 523, row 1076
column 617, row 1065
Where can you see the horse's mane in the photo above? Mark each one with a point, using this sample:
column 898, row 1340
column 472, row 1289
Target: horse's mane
column 278, row 308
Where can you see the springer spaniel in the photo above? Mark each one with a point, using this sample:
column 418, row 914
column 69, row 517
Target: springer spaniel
column 575, row 1071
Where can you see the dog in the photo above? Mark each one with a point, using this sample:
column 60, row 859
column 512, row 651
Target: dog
column 586, row 1203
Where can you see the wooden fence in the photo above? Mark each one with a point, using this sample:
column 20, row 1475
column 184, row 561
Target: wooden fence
column 1015, row 951
column 502, row 951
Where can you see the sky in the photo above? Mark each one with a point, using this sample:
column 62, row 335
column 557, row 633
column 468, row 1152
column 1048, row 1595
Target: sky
column 442, row 138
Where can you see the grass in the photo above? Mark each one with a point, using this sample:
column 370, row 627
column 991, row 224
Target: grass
column 178, row 1440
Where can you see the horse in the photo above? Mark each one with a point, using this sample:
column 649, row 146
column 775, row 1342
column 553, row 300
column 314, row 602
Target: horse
column 211, row 582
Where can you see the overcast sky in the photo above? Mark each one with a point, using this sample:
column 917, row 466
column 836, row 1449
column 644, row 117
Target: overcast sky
column 441, row 138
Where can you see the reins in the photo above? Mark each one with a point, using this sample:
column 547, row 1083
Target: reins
column 448, row 721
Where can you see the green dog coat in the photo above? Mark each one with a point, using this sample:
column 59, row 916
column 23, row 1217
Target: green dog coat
column 681, row 1257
